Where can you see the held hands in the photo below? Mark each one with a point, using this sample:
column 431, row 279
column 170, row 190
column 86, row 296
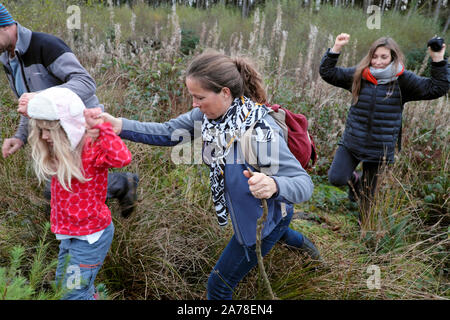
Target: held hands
column 116, row 123
column 341, row 40
column 23, row 103
column 95, row 116
column 92, row 119
column 260, row 185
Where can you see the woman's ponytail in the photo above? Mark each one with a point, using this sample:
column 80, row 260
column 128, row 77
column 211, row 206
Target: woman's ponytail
column 215, row 71
column 252, row 80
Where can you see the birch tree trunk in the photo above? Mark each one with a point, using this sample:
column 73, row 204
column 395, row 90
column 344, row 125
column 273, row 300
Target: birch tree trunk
column 245, row 4
column 446, row 25
column 437, row 10
column 412, row 9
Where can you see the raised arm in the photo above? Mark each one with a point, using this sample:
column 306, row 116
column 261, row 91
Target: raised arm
column 415, row 87
column 337, row 76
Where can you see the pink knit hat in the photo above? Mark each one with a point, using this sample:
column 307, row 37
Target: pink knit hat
column 61, row 104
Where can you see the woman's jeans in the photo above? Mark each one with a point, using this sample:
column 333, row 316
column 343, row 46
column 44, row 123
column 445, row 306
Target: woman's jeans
column 79, row 263
column 341, row 173
column 233, row 264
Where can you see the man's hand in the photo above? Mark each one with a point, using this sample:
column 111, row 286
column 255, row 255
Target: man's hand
column 10, row 146
column 261, row 185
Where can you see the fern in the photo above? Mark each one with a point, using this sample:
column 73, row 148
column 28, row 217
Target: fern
column 14, row 285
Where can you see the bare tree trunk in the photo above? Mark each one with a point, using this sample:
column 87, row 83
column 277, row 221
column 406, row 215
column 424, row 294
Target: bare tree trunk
column 446, row 25
column 397, row 3
column 245, row 4
column 412, row 9
column 437, row 10
column 365, row 5
column 383, row 6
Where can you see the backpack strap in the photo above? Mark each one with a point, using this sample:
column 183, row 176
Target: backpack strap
column 247, row 149
column 246, row 141
column 280, row 119
column 251, row 158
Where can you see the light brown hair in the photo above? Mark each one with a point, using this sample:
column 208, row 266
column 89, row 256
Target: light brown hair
column 397, row 58
column 215, row 71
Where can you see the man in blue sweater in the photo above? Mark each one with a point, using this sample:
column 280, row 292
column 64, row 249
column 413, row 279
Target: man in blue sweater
column 34, row 61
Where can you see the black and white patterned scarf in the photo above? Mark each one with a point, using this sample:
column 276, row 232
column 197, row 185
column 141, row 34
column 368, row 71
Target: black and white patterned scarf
column 218, row 137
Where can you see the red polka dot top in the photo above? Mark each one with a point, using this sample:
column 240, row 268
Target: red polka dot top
column 83, row 211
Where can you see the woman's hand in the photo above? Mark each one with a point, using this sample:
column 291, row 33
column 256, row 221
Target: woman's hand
column 23, row 103
column 341, row 40
column 116, row 123
column 260, row 185
column 437, row 56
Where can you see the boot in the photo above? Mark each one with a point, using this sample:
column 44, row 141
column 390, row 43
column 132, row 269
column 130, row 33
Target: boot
column 354, row 187
column 123, row 187
column 310, row 249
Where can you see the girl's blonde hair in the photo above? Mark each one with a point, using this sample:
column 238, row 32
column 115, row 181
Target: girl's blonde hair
column 397, row 58
column 58, row 159
column 215, row 71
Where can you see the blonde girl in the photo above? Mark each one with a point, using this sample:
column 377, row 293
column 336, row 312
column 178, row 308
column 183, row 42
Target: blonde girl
column 77, row 166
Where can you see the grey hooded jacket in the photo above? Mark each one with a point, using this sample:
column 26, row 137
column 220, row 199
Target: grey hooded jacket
column 293, row 182
column 46, row 61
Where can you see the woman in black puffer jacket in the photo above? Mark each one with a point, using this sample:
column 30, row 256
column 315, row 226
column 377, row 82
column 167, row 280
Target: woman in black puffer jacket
column 380, row 86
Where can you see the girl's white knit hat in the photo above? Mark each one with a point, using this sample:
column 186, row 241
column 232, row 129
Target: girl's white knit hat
column 61, row 104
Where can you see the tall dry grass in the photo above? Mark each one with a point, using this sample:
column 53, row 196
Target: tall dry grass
column 167, row 248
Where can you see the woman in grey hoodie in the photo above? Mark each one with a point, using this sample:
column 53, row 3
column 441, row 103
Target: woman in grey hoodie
column 228, row 98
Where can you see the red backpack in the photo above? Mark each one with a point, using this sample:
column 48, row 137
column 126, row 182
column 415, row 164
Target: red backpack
column 295, row 131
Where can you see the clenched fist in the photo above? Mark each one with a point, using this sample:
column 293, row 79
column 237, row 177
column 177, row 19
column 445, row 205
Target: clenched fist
column 260, row 185
column 341, row 40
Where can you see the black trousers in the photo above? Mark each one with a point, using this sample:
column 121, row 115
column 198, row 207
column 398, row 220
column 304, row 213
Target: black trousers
column 117, row 186
column 341, row 173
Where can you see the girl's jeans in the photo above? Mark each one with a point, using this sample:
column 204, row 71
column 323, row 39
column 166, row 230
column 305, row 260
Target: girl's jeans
column 79, row 263
column 233, row 264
